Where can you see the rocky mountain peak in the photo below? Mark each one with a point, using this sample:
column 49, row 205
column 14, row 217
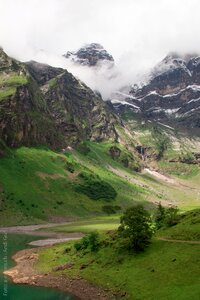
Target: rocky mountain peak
column 40, row 104
column 90, row 55
column 171, row 94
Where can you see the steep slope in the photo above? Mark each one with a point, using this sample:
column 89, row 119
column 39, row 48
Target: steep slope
column 77, row 111
column 24, row 115
column 40, row 104
column 37, row 185
column 172, row 93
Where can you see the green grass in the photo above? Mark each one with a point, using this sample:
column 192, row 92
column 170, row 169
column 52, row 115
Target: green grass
column 36, row 185
column 100, row 224
column 52, row 83
column 12, row 80
column 164, row 271
column 187, row 229
column 4, row 93
column 179, row 169
column 98, row 160
column 9, row 83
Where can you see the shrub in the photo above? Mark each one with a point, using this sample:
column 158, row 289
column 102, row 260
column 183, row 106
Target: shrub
column 110, row 209
column 59, row 202
column 95, row 188
column 90, row 242
column 83, row 148
column 187, row 157
column 160, row 216
column 172, row 217
column 67, row 249
column 166, row 216
column 78, row 246
column 136, row 228
column 70, row 167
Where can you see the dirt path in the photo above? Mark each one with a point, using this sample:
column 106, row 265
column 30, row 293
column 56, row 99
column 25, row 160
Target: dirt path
column 179, row 241
column 25, row 273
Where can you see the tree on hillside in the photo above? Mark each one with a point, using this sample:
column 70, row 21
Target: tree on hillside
column 162, row 141
column 160, row 216
column 136, row 228
column 166, row 216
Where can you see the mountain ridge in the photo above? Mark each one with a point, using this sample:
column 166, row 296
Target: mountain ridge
column 171, row 94
column 41, row 104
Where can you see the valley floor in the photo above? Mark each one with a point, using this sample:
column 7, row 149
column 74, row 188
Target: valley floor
column 168, row 269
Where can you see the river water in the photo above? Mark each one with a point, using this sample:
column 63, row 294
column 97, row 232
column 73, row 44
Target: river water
column 9, row 245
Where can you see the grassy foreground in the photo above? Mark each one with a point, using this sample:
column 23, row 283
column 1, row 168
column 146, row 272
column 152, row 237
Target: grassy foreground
column 166, row 270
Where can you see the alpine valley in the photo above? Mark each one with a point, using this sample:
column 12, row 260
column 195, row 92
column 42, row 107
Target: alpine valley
column 68, row 156
column 57, row 134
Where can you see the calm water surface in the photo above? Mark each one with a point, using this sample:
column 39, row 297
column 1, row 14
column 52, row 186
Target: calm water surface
column 9, row 245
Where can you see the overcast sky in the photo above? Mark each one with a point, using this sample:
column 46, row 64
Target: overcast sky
column 138, row 33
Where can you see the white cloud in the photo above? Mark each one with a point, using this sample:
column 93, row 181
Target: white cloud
column 138, row 33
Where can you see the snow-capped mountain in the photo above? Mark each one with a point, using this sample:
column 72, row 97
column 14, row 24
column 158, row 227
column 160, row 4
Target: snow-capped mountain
column 171, row 93
column 90, row 55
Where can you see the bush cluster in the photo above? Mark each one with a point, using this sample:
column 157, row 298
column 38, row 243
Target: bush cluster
column 95, row 188
column 166, row 216
column 89, row 242
column 111, row 209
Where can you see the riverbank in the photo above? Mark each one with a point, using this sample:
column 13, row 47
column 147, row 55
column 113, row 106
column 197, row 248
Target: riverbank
column 25, row 273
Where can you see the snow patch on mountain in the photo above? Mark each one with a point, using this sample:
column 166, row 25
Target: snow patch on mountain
column 116, row 101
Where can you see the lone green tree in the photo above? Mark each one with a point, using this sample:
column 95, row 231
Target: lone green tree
column 136, row 228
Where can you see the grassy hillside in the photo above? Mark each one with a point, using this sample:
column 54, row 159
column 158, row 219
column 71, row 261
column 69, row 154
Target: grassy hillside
column 187, row 229
column 39, row 184
column 166, row 270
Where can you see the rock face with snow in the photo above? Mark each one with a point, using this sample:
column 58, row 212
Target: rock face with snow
column 171, row 94
column 40, row 104
column 90, row 55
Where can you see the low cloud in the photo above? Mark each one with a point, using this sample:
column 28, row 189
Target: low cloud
column 137, row 33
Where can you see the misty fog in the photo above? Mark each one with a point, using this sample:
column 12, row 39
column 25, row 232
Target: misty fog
column 138, row 34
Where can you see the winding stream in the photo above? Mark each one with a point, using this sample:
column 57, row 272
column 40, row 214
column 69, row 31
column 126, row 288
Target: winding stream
column 9, row 245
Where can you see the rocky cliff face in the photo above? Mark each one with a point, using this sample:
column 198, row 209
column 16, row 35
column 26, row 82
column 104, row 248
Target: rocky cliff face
column 24, row 116
column 77, row 111
column 90, row 55
column 40, row 104
column 171, row 94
